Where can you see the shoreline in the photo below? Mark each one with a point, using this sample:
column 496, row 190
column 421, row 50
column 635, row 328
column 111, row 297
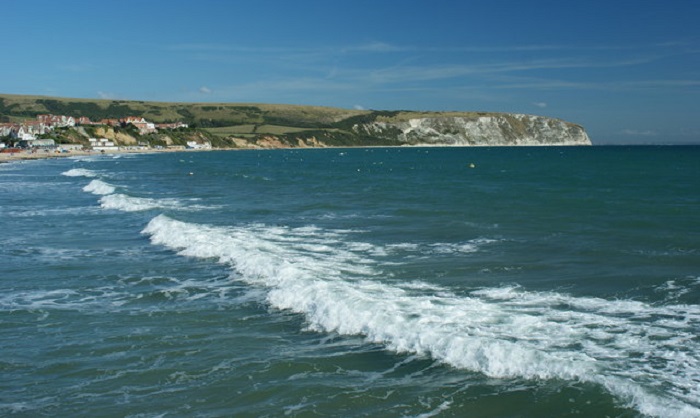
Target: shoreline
column 24, row 155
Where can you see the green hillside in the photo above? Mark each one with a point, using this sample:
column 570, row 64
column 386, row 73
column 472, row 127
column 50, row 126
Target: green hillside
column 204, row 115
column 248, row 125
column 287, row 123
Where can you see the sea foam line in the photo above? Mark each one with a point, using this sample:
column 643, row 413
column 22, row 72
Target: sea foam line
column 647, row 356
column 80, row 172
column 125, row 203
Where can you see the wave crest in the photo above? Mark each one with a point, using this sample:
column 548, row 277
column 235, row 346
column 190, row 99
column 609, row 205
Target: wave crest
column 628, row 347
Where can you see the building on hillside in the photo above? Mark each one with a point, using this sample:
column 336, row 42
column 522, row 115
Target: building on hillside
column 26, row 130
column 110, row 122
column 175, row 125
column 21, row 133
column 84, row 120
column 6, row 128
column 142, row 124
column 56, row 121
column 133, row 119
column 36, row 127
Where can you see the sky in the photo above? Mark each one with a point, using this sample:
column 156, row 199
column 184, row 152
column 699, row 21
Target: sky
column 627, row 71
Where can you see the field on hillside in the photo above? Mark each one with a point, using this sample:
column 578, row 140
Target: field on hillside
column 207, row 115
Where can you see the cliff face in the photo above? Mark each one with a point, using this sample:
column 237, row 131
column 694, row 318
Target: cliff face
column 488, row 130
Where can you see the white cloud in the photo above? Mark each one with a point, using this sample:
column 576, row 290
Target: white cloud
column 205, row 90
column 104, row 95
column 634, row 132
column 376, row 47
column 540, row 104
column 359, row 107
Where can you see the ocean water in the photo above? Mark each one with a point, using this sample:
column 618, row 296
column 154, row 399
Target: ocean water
column 392, row 282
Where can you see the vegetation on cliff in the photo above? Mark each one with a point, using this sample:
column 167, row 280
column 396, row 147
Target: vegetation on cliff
column 241, row 125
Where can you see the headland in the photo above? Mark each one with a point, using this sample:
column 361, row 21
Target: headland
column 104, row 125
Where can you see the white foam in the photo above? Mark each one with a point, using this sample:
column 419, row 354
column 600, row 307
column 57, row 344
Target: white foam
column 126, row 203
column 648, row 356
column 35, row 299
column 674, row 290
column 126, row 295
column 80, row 172
column 99, row 187
column 449, row 248
column 441, row 248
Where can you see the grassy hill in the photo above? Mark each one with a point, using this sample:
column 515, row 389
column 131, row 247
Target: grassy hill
column 222, row 120
column 234, row 124
column 204, row 115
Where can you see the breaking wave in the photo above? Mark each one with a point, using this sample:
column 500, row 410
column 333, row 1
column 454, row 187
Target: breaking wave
column 648, row 356
column 126, row 203
column 99, row 187
column 80, row 172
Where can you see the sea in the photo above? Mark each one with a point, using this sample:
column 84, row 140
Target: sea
column 363, row 282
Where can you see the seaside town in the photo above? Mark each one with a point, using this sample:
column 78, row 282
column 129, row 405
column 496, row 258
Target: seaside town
column 33, row 137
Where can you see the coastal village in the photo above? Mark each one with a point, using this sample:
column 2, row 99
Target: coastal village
column 36, row 134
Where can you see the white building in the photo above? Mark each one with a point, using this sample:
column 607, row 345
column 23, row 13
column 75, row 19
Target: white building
column 197, row 145
column 56, row 121
column 22, row 133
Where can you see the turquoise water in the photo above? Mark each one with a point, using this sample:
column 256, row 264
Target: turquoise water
column 397, row 282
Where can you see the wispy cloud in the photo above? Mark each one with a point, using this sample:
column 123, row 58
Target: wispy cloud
column 204, row 47
column 512, row 82
column 662, row 83
column 377, row 66
column 406, row 73
column 380, row 47
column 368, row 61
column 635, row 132
column 104, row 95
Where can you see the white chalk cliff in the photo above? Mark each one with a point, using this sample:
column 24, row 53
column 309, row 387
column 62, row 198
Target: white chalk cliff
column 504, row 129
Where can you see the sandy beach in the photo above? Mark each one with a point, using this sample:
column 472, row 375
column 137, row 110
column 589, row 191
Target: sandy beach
column 6, row 157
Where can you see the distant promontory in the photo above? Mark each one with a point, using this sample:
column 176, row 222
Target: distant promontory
column 228, row 125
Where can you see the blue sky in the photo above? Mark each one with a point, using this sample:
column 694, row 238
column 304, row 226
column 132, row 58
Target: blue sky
column 628, row 71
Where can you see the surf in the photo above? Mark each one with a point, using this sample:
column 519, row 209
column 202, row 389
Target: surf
column 631, row 348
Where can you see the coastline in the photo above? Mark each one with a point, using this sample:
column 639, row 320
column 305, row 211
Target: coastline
column 26, row 154
column 23, row 155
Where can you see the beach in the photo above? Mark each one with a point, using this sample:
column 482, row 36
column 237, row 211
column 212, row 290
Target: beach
column 27, row 154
